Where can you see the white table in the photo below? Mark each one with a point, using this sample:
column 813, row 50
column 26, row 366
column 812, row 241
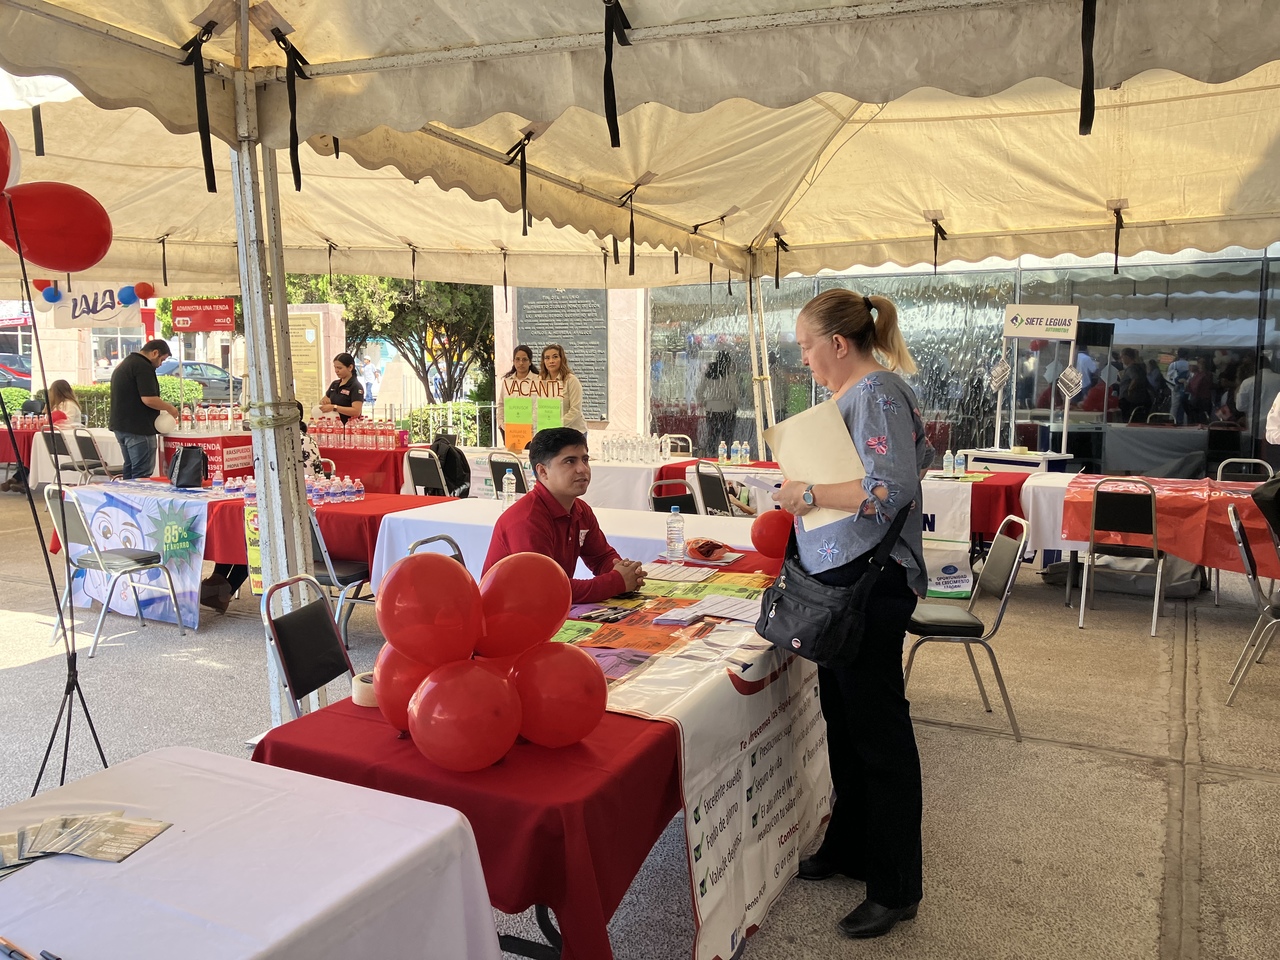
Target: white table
column 635, row 534
column 1042, row 498
column 260, row 862
column 42, row 464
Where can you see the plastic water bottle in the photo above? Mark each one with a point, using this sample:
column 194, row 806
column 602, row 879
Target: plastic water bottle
column 251, row 493
column 219, row 488
column 962, row 464
column 735, row 452
column 949, row 464
column 348, row 490
column 746, row 452
column 311, row 489
column 508, row 489
column 675, row 535
column 359, row 489
column 723, row 453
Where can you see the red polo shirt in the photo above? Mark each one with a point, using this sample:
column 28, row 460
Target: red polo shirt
column 536, row 523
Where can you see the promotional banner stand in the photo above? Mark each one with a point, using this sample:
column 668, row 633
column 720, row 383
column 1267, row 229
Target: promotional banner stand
column 1035, row 322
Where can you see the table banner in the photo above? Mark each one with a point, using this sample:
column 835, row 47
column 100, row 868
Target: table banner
column 756, row 781
column 253, row 548
column 144, row 515
column 230, row 455
column 946, row 506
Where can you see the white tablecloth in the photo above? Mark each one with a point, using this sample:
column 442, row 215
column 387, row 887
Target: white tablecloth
column 42, row 463
column 260, row 862
column 1042, row 497
column 635, row 534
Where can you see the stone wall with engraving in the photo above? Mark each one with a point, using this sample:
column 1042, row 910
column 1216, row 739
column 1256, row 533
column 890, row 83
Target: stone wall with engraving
column 578, row 320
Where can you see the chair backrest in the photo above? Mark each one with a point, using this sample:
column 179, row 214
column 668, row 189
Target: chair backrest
column 680, row 442
column 686, row 500
column 1160, row 418
column 87, row 444
column 439, row 538
column 1000, row 570
column 306, row 641
column 455, row 467
column 426, row 474
column 715, row 492
column 33, row 405
column 319, row 551
column 68, row 518
column 328, row 466
column 1246, row 556
column 1123, row 511
column 1249, row 474
column 499, row 463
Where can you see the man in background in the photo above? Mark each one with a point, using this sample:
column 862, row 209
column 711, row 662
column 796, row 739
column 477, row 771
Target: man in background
column 1266, row 384
column 135, row 401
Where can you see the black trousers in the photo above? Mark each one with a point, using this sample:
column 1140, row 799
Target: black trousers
column 874, row 832
column 234, row 573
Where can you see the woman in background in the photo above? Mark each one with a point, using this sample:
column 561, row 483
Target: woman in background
column 64, row 408
column 522, row 368
column 345, row 396
column 555, row 366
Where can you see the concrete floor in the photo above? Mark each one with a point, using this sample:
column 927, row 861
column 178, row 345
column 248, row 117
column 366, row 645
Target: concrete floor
column 1136, row 820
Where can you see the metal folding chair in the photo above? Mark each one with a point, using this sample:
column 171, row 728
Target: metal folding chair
column 499, row 463
column 348, row 577
column 1123, row 512
column 455, row 550
column 92, row 461
column 426, row 474
column 306, row 643
column 714, row 489
column 944, row 623
column 681, row 440
column 1263, row 472
column 686, row 501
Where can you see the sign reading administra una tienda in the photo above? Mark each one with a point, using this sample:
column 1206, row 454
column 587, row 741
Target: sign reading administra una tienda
column 1041, row 321
column 192, row 316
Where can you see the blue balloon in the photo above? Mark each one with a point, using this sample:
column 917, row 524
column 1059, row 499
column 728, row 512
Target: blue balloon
column 51, row 294
column 126, row 296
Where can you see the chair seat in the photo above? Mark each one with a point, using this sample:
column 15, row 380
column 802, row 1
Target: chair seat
column 121, row 558
column 1124, row 550
column 347, row 572
column 944, row 620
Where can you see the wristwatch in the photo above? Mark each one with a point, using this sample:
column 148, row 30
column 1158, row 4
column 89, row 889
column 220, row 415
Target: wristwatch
column 807, row 496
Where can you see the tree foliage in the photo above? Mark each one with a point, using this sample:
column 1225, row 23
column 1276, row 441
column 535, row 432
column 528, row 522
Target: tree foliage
column 442, row 330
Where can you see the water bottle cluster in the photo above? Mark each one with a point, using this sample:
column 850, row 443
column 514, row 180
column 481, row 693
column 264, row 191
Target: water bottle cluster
column 738, row 453
column 954, row 465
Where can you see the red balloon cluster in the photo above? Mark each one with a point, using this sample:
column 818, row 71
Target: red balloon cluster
column 771, row 531
column 60, row 227
column 467, row 668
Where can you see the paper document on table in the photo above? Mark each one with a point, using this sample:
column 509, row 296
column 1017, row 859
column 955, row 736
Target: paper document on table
column 815, row 446
column 679, row 573
column 727, row 608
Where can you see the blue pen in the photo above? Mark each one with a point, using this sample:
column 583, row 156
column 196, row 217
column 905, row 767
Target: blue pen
column 49, row 956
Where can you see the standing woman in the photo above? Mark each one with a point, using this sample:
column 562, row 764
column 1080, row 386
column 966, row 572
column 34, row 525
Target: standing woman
column 345, row 396
column 522, row 368
column 555, row 366
column 854, row 348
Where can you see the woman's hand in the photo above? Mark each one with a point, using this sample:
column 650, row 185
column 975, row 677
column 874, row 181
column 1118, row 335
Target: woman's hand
column 791, row 496
column 326, row 405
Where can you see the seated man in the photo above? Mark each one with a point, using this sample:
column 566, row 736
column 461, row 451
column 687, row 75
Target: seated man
column 552, row 521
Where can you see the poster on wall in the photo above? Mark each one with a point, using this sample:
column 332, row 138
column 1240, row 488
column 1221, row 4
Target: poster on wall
column 1038, row 321
column 578, row 320
column 310, row 373
column 204, row 316
column 95, row 305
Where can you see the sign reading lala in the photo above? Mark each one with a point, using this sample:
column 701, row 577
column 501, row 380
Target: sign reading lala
column 1040, row 321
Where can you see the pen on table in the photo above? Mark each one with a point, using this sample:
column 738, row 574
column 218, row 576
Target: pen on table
column 10, row 949
column 46, row 955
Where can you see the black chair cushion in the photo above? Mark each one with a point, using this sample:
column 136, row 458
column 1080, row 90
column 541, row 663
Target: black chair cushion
column 347, row 571
column 122, row 558
column 944, row 620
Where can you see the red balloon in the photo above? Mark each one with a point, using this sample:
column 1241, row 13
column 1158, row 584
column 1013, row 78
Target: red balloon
column 563, row 693
column 428, row 608
column 145, row 291
column 62, row 228
column 5, row 155
column 770, row 532
column 463, row 717
column 499, row 666
column 41, row 284
column 526, row 599
column 395, row 678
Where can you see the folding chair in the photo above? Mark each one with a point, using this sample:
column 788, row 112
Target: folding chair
column 1247, row 475
column 714, row 489
column 681, row 440
column 94, row 463
column 328, row 466
column 1160, row 418
column 426, row 474
column 73, row 530
column 1268, row 608
column 67, row 457
column 944, row 623
column 456, row 550
column 348, row 577
column 306, row 643
column 1123, row 512
column 498, row 465
column 687, row 502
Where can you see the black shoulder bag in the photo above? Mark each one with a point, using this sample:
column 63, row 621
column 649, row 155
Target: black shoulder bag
column 189, row 467
column 823, row 623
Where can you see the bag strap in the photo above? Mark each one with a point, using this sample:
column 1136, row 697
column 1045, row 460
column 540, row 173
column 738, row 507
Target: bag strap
column 881, row 556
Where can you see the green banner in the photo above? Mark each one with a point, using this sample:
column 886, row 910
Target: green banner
column 549, row 413
column 517, row 409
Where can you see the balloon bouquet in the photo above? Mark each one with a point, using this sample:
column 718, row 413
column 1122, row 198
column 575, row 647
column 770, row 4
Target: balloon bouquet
column 467, row 668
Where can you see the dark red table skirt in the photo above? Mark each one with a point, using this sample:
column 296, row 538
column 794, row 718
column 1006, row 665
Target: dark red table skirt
column 381, row 471
column 993, row 499
column 350, row 529
column 566, row 828
column 24, row 438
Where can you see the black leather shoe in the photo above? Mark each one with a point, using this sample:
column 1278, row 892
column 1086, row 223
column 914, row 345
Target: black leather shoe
column 869, row 919
column 817, row 867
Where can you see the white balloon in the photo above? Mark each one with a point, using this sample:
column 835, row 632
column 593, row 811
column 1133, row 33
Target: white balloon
column 15, row 162
column 41, row 304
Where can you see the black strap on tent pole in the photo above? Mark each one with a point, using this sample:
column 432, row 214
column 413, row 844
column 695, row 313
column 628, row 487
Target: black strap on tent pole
column 938, row 234
column 37, row 127
column 506, row 305
column 332, row 246
column 195, row 60
column 780, row 245
column 294, row 62
column 164, row 260
column 676, row 252
column 337, row 149
column 711, row 277
column 413, row 269
column 628, row 200
column 1088, row 21
column 1115, row 270
column 617, row 258
column 616, row 26
column 518, row 152
column 604, row 256
column 729, row 281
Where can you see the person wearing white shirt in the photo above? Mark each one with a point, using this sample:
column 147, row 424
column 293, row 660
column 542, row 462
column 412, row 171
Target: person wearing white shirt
column 1266, row 383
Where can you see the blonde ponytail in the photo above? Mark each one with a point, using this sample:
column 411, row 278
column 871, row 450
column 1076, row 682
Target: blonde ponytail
column 870, row 324
column 889, row 342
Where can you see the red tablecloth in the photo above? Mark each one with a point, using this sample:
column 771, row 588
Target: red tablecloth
column 24, row 438
column 350, row 529
column 566, row 828
column 1191, row 521
column 993, row 499
column 381, row 471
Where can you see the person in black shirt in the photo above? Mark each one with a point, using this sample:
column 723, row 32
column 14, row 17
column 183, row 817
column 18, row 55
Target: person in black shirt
column 135, row 401
column 345, row 396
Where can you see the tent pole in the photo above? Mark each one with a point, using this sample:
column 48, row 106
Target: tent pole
column 752, row 292
column 766, row 383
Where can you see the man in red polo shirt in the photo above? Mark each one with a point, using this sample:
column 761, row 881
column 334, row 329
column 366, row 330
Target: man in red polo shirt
column 551, row 520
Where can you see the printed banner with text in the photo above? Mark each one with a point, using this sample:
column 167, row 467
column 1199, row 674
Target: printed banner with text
column 947, row 506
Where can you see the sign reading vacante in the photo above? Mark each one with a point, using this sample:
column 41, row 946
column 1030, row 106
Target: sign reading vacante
column 1040, row 321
